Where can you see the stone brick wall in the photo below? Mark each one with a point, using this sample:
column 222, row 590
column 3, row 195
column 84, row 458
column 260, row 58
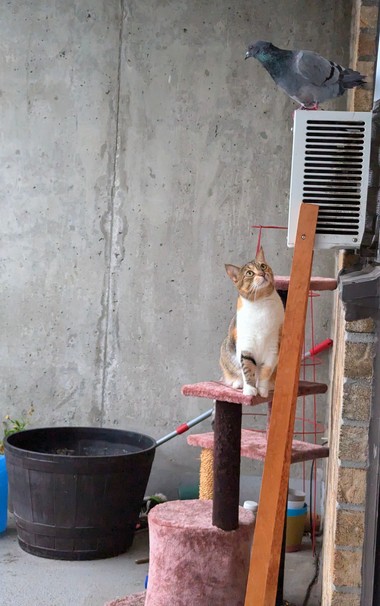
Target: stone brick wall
column 347, row 473
column 351, row 391
column 352, row 463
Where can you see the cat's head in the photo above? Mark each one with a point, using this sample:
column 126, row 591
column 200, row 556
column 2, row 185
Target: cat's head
column 255, row 279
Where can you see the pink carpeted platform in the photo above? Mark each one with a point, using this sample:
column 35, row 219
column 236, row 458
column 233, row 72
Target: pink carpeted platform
column 254, row 446
column 282, row 283
column 192, row 562
column 215, row 390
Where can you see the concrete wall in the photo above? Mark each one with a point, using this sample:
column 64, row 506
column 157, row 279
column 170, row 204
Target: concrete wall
column 138, row 148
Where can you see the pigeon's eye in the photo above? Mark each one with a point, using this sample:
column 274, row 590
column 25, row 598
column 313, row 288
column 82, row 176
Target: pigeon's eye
column 249, row 273
column 263, row 266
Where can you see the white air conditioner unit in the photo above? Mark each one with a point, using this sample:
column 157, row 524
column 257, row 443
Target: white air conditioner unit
column 330, row 166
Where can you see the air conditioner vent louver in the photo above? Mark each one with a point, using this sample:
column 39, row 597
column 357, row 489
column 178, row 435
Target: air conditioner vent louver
column 330, row 167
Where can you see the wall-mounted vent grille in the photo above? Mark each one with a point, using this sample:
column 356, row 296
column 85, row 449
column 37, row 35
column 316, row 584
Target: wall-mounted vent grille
column 330, row 167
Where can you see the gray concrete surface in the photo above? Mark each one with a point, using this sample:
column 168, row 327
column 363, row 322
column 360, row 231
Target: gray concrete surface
column 27, row 580
column 138, row 147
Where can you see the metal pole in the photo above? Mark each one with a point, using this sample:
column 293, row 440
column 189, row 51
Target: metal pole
column 185, row 427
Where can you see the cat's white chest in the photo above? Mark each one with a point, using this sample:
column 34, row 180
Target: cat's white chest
column 258, row 326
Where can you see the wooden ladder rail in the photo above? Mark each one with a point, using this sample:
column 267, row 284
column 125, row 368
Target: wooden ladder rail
column 266, row 546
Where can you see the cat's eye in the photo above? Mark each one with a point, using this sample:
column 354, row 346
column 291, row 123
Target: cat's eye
column 249, row 273
column 263, row 266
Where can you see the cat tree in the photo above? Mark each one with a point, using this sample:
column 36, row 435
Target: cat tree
column 183, row 531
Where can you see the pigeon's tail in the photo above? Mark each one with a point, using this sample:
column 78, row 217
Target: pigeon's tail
column 350, row 78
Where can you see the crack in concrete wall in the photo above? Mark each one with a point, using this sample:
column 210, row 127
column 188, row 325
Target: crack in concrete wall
column 117, row 232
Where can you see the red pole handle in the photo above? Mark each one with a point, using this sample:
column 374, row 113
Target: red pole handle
column 321, row 347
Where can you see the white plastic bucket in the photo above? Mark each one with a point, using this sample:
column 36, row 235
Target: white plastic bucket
column 295, row 504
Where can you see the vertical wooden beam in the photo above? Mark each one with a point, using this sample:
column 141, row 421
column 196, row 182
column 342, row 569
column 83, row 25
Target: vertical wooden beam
column 227, row 441
column 266, row 547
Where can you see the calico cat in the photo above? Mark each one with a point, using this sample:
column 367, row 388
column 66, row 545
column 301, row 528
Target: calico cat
column 249, row 353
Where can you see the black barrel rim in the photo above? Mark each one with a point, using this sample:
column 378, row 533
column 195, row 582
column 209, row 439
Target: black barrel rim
column 19, row 449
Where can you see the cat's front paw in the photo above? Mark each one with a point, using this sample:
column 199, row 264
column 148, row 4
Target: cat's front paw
column 238, row 384
column 249, row 390
column 263, row 392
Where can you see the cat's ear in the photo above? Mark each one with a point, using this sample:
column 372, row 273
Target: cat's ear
column 260, row 257
column 232, row 272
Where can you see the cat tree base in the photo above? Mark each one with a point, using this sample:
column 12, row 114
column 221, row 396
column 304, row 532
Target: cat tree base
column 193, row 562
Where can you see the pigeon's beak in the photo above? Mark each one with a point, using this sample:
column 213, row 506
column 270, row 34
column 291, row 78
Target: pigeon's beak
column 247, row 55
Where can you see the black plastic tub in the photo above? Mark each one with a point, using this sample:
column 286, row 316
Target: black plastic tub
column 77, row 491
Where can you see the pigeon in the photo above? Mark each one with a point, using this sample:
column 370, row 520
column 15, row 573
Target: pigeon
column 304, row 75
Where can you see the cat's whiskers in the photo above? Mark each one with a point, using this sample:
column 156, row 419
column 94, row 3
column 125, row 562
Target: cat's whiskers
column 253, row 290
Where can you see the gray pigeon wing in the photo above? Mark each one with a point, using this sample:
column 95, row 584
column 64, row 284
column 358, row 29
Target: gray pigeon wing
column 316, row 69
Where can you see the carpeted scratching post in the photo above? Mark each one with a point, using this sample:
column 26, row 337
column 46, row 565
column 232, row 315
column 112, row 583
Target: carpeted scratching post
column 193, row 562
column 206, row 474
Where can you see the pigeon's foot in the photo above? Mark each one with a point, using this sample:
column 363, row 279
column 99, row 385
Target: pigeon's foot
column 312, row 107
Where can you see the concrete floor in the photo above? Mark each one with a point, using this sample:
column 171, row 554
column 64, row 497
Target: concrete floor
column 28, row 580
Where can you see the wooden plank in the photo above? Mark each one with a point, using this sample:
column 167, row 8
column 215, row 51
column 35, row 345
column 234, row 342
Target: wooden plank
column 266, row 547
column 227, row 428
